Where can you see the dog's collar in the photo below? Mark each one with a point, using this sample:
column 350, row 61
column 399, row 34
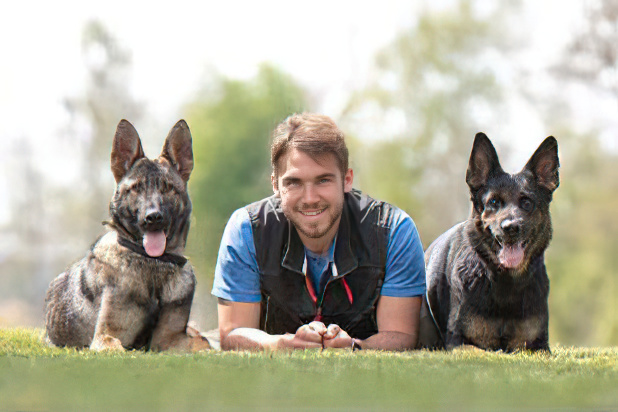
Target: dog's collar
column 177, row 260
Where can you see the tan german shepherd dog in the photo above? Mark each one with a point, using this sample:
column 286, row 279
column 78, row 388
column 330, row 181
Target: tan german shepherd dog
column 134, row 288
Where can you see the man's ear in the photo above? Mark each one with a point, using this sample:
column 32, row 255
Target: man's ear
column 273, row 181
column 348, row 180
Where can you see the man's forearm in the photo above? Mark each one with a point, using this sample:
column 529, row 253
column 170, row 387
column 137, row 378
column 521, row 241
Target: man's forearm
column 395, row 341
column 250, row 339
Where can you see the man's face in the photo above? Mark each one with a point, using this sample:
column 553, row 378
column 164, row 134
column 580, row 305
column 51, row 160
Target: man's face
column 312, row 193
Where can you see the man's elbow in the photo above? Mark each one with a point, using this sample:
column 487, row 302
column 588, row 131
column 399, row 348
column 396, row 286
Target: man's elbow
column 226, row 341
column 411, row 341
column 402, row 341
column 226, row 344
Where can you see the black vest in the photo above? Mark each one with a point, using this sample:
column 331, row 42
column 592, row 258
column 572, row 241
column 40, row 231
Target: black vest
column 360, row 258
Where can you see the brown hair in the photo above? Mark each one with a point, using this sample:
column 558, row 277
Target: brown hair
column 313, row 134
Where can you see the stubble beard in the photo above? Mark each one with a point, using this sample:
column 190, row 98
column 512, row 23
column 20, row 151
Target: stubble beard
column 313, row 231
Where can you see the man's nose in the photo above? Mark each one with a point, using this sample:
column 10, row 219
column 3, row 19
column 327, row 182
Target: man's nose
column 310, row 194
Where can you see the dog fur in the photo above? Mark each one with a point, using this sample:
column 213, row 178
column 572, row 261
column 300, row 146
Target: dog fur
column 134, row 288
column 487, row 285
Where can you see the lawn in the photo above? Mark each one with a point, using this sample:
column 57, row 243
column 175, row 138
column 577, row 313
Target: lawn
column 34, row 376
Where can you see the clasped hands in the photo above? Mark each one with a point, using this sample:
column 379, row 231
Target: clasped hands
column 317, row 335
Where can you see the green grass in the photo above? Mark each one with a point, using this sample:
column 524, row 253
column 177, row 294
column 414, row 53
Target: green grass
column 34, row 376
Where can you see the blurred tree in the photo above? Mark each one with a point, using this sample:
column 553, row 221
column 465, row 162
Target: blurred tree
column 431, row 84
column 20, row 272
column 94, row 117
column 53, row 223
column 592, row 56
column 231, row 123
column 583, row 257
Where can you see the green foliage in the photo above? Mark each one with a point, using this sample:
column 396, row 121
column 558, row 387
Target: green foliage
column 231, row 122
column 591, row 56
column 433, row 79
column 34, row 376
column 582, row 259
column 106, row 100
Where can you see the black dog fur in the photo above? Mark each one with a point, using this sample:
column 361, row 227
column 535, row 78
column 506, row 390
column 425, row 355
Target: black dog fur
column 486, row 280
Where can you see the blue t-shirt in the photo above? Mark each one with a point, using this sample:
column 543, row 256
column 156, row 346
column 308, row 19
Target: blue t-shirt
column 237, row 277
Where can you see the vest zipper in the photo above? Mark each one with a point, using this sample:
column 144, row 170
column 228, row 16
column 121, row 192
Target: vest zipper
column 266, row 312
column 312, row 292
column 314, row 298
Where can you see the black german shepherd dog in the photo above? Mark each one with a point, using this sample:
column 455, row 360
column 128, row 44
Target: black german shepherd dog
column 486, row 280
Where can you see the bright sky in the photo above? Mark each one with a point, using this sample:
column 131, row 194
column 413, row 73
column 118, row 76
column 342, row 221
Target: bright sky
column 324, row 44
column 328, row 46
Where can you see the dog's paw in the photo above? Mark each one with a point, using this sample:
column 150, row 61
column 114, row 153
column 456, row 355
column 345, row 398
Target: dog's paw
column 106, row 343
column 193, row 331
column 199, row 343
column 468, row 349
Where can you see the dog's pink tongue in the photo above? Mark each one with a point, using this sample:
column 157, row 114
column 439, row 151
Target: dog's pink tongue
column 511, row 256
column 154, row 243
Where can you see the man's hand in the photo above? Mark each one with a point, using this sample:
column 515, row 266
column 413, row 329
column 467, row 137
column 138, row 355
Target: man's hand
column 335, row 337
column 238, row 328
column 316, row 335
column 397, row 329
column 306, row 337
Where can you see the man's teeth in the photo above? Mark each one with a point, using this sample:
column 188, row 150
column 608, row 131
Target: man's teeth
column 317, row 212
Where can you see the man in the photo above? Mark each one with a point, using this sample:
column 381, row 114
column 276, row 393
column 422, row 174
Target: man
column 318, row 265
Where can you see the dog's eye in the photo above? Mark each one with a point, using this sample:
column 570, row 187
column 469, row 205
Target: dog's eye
column 135, row 188
column 494, row 203
column 167, row 187
column 526, row 204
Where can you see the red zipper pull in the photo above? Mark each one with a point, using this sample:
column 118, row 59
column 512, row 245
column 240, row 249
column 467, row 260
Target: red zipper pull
column 348, row 291
column 318, row 316
column 310, row 289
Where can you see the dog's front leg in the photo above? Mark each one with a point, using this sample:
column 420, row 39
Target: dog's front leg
column 453, row 340
column 540, row 344
column 118, row 321
column 171, row 331
column 105, row 331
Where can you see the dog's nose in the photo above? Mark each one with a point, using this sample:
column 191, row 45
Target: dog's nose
column 510, row 227
column 153, row 217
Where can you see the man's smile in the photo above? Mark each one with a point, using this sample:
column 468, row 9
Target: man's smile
column 312, row 212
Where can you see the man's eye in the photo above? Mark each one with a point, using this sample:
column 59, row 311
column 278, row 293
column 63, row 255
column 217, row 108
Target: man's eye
column 325, row 180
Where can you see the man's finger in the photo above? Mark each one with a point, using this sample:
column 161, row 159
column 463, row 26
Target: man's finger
column 342, row 341
column 307, row 333
column 337, row 338
column 332, row 331
column 318, row 326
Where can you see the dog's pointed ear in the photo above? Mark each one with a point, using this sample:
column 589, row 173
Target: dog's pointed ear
column 544, row 164
column 483, row 163
column 126, row 149
column 178, row 149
